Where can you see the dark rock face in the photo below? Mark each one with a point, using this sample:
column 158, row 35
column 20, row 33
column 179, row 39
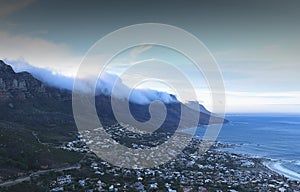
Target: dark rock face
column 18, row 86
column 23, row 86
column 26, row 100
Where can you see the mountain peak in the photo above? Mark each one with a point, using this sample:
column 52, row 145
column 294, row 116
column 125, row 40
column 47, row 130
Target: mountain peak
column 5, row 69
column 18, row 86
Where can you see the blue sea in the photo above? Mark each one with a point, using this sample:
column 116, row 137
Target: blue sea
column 275, row 137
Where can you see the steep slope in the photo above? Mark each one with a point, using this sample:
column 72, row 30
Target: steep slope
column 35, row 119
column 25, row 99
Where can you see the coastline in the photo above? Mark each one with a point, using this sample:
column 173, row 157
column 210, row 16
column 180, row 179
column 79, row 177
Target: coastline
column 274, row 165
column 210, row 171
column 278, row 167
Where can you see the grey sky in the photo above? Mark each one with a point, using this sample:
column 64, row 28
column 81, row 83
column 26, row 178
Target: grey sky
column 256, row 43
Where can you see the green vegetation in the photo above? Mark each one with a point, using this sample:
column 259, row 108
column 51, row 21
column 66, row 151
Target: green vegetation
column 22, row 152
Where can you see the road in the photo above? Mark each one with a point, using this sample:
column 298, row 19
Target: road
column 37, row 173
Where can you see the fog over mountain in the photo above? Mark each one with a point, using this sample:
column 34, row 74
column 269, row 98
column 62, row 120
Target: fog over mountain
column 20, row 92
column 105, row 84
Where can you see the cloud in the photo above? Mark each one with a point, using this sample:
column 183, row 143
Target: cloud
column 272, row 81
column 105, row 84
column 255, row 102
column 270, row 57
column 10, row 6
column 263, row 102
column 135, row 52
column 127, row 58
column 271, row 68
column 39, row 53
column 45, row 75
column 56, row 65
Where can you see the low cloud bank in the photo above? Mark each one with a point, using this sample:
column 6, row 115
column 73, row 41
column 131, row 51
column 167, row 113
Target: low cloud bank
column 105, row 84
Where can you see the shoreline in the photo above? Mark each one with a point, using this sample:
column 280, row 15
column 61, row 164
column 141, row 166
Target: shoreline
column 215, row 169
column 276, row 166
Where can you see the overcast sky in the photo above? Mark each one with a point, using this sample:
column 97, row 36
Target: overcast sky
column 256, row 43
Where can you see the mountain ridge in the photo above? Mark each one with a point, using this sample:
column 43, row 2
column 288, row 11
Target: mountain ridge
column 36, row 120
column 21, row 86
column 19, row 89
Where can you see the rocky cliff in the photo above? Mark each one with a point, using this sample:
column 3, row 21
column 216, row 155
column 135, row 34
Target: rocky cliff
column 26, row 100
column 19, row 87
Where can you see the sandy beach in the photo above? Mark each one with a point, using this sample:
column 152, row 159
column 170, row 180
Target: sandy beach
column 279, row 168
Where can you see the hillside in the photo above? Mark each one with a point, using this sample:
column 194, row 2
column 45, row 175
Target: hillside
column 36, row 119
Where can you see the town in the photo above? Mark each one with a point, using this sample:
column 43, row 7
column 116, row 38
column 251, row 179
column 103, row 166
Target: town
column 214, row 170
column 189, row 171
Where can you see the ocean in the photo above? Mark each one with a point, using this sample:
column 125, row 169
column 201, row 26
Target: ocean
column 275, row 137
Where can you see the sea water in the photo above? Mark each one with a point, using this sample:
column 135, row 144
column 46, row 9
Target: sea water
column 270, row 136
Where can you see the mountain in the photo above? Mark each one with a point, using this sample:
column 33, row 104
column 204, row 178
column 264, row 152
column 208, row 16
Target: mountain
column 22, row 86
column 36, row 119
column 25, row 99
